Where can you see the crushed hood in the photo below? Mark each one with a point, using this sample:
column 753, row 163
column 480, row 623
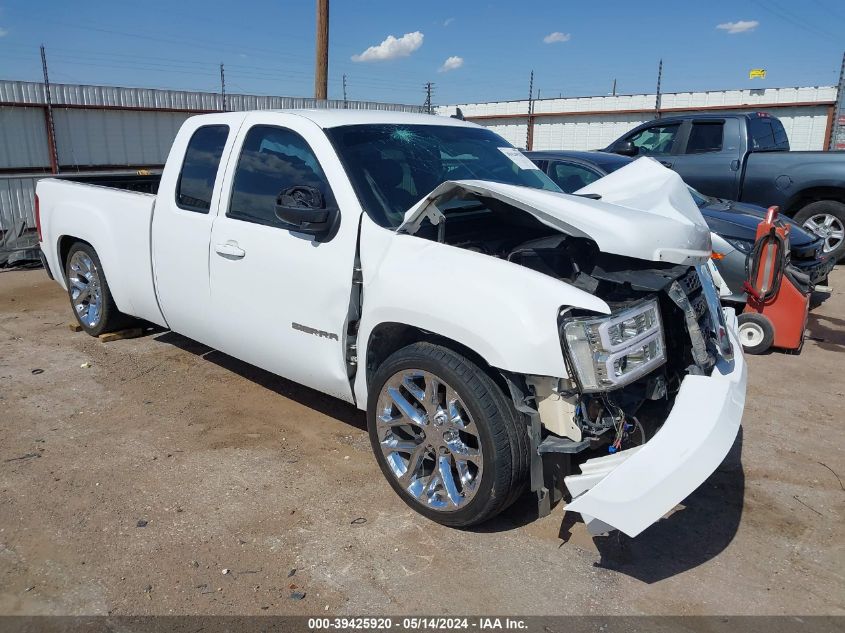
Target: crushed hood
column 645, row 211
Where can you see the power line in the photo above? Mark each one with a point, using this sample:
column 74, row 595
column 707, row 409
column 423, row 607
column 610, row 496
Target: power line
column 794, row 19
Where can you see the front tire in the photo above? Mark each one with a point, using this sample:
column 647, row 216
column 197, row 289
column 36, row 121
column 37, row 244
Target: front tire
column 90, row 297
column 445, row 436
column 825, row 219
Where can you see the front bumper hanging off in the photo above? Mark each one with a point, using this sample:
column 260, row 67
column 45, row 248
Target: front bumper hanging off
column 632, row 489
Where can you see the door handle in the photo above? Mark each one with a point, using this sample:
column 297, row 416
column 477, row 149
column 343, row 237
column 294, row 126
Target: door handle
column 666, row 163
column 230, row 250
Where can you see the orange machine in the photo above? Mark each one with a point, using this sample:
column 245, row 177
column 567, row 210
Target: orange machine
column 778, row 294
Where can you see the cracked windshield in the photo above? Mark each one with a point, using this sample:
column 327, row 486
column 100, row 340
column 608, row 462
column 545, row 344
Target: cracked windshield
column 393, row 166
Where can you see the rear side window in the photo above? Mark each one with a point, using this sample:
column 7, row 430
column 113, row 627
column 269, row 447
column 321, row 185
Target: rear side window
column 705, row 137
column 767, row 134
column 273, row 159
column 202, row 158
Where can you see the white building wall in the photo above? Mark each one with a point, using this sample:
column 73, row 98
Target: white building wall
column 586, row 123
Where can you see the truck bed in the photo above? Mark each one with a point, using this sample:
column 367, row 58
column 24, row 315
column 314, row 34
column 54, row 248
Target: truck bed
column 118, row 222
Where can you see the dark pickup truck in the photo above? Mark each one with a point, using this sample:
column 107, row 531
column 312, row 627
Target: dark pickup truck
column 746, row 157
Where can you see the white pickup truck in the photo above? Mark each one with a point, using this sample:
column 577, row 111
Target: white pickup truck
column 501, row 335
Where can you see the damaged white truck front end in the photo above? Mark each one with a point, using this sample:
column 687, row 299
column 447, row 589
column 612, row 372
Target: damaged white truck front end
column 603, row 318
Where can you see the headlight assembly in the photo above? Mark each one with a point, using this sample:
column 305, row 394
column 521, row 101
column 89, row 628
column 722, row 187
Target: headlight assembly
column 612, row 351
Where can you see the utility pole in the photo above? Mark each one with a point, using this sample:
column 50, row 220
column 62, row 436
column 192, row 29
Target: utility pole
column 344, row 91
column 529, row 133
column 321, row 69
column 429, row 107
column 657, row 97
column 223, row 86
column 614, row 87
column 837, row 136
column 51, row 127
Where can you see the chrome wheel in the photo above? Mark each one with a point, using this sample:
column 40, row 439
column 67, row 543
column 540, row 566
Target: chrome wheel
column 86, row 294
column 828, row 227
column 751, row 334
column 429, row 440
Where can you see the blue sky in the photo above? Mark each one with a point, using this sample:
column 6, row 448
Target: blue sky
column 574, row 48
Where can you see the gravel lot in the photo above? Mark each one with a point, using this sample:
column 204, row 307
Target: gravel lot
column 167, row 478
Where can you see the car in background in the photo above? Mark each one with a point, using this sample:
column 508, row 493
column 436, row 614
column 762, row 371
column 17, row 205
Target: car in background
column 733, row 224
column 746, row 156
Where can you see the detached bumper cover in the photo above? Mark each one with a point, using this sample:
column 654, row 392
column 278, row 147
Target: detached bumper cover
column 630, row 490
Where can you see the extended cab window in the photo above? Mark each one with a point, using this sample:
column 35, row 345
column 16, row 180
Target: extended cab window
column 767, row 134
column 273, row 159
column 655, row 140
column 705, row 137
column 571, row 177
column 202, row 158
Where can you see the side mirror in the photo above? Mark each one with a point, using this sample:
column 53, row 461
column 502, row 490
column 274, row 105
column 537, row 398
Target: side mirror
column 302, row 209
column 625, row 148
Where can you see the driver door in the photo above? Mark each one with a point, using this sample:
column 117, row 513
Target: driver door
column 281, row 298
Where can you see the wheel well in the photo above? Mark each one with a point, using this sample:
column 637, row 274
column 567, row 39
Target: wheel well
column 388, row 338
column 803, row 198
column 64, row 246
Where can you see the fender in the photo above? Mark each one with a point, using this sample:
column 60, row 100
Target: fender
column 506, row 313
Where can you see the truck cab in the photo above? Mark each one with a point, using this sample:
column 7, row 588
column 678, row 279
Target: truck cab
column 746, row 157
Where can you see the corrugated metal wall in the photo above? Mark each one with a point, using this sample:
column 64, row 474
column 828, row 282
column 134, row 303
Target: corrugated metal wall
column 584, row 123
column 27, row 92
column 115, row 138
column 23, row 142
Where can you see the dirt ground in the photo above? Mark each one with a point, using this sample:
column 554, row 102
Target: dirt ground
column 167, row 478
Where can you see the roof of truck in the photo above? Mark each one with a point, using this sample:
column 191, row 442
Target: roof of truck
column 335, row 118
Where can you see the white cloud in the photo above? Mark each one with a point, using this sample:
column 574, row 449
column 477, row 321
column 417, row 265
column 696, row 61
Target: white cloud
column 742, row 26
column 391, row 48
column 557, row 36
column 3, row 32
column 452, row 63
column 448, row 21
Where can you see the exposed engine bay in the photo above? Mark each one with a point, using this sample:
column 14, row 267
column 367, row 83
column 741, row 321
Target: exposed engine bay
column 605, row 411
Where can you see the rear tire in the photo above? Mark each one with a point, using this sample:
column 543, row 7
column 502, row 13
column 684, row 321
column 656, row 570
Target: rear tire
column 826, row 219
column 90, row 298
column 755, row 332
column 446, row 437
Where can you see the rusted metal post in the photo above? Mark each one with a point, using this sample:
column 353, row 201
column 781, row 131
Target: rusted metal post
column 529, row 133
column 51, row 128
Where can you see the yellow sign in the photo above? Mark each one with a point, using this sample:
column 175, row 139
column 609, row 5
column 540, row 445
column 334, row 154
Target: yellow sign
column 757, row 72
